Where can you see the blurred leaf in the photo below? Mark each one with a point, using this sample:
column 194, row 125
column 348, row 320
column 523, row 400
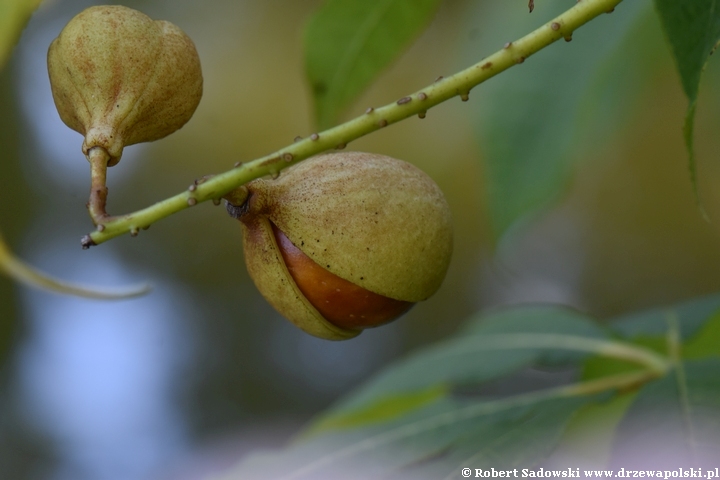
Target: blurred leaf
column 413, row 422
column 486, row 349
column 23, row 273
column 699, row 322
column 409, row 421
column 14, row 14
column 706, row 343
column 598, row 367
column 349, row 42
column 693, row 30
column 588, row 439
column 691, row 316
column 661, row 431
column 391, row 406
column 534, row 114
column 433, row 443
column 659, row 412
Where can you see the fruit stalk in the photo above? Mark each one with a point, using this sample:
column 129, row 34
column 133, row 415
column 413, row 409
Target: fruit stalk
column 98, row 158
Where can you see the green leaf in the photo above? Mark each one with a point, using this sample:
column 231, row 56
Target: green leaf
column 491, row 346
column 659, row 425
column 706, row 343
column 413, row 421
column 435, row 442
column 19, row 271
column 691, row 316
column 588, row 439
column 14, row 14
column 349, row 42
column 385, row 409
column 598, row 367
column 532, row 119
column 693, row 30
column 699, row 322
column 420, row 419
column 664, row 429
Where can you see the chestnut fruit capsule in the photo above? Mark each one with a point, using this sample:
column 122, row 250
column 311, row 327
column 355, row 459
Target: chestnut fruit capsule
column 345, row 241
column 120, row 78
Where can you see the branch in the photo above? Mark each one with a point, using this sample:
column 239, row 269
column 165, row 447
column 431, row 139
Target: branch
column 338, row 137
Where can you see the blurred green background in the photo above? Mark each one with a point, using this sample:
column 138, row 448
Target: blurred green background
column 187, row 380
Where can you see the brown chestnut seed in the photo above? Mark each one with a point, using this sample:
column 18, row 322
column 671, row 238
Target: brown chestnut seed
column 341, row 302
column 380, row 226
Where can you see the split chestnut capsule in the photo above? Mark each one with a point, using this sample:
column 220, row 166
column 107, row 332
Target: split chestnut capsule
column 345, row 241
